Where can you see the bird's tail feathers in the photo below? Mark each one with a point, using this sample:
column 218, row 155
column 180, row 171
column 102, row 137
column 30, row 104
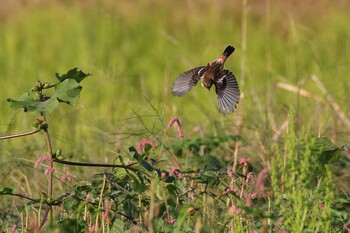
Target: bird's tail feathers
column 228, row 51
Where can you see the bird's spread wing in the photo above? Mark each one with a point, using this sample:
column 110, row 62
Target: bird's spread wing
column 228, row 92
column 187, row 80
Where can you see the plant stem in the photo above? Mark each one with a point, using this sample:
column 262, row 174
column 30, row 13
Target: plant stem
column 50, row 153
column 128, row 166
column 24, row 197
column 20, row 134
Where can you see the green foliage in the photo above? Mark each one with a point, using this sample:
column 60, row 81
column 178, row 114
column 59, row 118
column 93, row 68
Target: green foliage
column 73, row 74
column 200, row 146
column 6, row 191
column 203, row 149
column 67, row 90
column 324, row 151
column 304, row 197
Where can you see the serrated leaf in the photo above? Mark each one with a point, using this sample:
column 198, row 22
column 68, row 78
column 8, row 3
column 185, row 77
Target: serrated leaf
column 67, row 91
column 74, row 74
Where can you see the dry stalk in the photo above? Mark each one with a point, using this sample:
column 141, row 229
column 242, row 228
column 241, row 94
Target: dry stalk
column 298, row 90
column 331, row 101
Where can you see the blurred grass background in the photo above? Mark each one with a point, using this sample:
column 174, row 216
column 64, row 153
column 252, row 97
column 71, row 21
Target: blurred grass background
column 136, row 49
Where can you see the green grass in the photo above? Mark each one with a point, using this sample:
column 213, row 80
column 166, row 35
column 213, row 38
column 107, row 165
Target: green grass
column 136, row 50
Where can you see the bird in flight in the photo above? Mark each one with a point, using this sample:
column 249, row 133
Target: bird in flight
column 226, row 86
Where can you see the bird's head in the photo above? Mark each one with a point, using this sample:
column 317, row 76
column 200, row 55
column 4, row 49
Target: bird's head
column 206, row 82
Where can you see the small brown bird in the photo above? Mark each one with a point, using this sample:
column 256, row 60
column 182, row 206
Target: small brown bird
column 226, row 86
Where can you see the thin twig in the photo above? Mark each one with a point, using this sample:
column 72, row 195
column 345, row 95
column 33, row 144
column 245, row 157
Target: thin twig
column 23, row 196
column 20, row 134
column 331, row 101
column 128, row 166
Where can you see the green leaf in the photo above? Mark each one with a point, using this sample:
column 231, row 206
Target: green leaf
column 68, row 205
column 181, row 218
column 139, row 185
column 118, row 226
column 74, row 74
column 120, row 173
column 26, row 102
column 6, row 191
column 67, row 91
column 71, row 225
column 325, row 151
column 141, row 161
column 159, row 191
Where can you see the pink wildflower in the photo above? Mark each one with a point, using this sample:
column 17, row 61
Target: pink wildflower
column 164, row 175
column 321, row 205
column 88, row 198
column 91, row 229
column 143, row 142
column 229, row 172
column 254, row 195
column 172, row 121
column 173, row 170
column 179, row 127
column 248, row 201
column 278, row 223
column 244, row 161
column 230, row 190
column 42, row 159
column 106, row 213
column 66, row 176
column 235, row 191
column 347, row 228
column 233, row 210
column 172, row 221
column 249, row 177
column 49, row 170
column 13, row 230
column 180, row 176
column 259, row 181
